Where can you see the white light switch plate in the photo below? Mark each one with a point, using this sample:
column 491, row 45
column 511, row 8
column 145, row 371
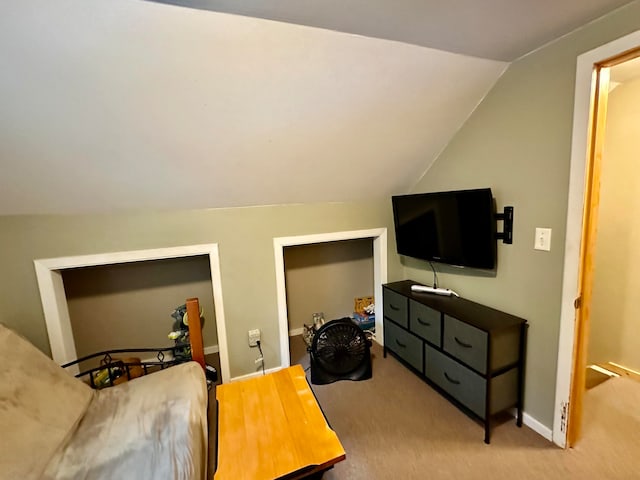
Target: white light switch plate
column 543, row 239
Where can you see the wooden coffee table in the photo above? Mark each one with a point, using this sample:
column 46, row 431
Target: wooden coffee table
column 271, row 427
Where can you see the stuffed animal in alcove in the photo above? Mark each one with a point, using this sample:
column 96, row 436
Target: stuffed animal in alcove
column 180, row 332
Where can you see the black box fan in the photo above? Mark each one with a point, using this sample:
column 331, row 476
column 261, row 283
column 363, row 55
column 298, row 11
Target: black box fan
column 340, row 350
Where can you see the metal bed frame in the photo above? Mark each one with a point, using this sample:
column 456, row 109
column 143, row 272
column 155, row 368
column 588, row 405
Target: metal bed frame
column 117, row 368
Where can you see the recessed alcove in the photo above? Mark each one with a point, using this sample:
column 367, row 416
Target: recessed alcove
column 129, row 305
column 353, row 244
column 325, row 277
column 125, row 273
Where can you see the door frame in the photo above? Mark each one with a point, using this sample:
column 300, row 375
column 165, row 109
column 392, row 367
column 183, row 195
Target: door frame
column 571, row 338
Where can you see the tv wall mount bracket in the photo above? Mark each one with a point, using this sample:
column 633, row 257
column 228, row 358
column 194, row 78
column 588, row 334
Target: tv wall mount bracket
column 507, row 225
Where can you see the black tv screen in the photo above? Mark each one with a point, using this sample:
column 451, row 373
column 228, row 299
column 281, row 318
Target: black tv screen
column 457, row 228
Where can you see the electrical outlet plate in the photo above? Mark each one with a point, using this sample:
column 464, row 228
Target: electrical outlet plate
column 254, row 337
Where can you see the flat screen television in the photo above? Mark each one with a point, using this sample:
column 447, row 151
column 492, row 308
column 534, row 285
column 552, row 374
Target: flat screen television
column 457, row 228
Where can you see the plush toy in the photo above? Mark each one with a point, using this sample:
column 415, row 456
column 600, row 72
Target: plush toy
column 180, row 332
column 309, row 331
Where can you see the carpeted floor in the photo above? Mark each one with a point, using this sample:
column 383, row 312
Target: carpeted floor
column 395, row 426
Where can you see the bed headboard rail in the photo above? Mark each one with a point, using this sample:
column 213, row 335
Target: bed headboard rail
column 195, row 331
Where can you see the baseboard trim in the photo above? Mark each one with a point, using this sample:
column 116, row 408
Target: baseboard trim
column 296, row 331
column 211, row 349
column 535, row 425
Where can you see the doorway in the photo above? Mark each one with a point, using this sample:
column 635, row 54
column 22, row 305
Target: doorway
column 614, row 340
column 588, row 136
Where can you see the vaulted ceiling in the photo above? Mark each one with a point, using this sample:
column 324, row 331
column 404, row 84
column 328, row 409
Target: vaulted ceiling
column 131, row 104
column 496, row 29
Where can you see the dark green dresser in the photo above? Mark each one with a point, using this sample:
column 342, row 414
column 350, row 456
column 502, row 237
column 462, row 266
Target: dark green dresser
column 472, row 354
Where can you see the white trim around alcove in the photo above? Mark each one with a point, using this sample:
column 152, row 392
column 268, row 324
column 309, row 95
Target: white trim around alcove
column 379, row 237
column 54, row 301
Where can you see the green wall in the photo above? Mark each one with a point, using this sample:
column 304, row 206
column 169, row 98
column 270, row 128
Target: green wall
column 518, row 142
column 245, row 239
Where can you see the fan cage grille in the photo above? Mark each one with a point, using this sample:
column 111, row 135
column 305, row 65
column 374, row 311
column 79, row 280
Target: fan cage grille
column 340, row 347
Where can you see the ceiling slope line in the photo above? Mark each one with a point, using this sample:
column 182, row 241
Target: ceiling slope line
column 462, row 124
column 178, row 4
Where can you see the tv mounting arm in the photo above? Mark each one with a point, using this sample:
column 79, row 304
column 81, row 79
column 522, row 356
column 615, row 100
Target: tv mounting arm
column 507, row 225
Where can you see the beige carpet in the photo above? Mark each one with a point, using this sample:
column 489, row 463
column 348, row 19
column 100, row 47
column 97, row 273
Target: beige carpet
column 395, row 426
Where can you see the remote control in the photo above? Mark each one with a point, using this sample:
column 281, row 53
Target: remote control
column 425, row 289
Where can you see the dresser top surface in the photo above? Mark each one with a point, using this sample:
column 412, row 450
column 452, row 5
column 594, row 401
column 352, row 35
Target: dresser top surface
column 478, row 315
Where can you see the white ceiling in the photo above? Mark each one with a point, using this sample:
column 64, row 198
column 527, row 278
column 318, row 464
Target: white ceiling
column 129, row 104
column 497, row 29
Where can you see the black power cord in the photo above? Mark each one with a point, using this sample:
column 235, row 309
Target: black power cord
column 435, row 275
column 261, row 355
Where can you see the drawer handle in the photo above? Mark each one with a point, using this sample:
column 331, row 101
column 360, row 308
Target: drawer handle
column 455, row 382
column 461, row 343
column 422, row 322
column 393, row 307
column 401, row 344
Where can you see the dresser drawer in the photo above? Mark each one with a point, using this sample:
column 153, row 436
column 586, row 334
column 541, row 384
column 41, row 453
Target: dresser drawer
column 425, row 322
column 466, row 343
column 465, row 386
column 405, row 345
column 395, row 307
